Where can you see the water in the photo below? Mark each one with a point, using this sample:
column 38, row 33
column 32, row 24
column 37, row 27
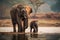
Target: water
column 44, row 33
column 29, row 36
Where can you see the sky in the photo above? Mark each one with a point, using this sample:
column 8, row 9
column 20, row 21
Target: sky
column 52, row 5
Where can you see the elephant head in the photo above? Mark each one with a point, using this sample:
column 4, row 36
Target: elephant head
column 28, row 9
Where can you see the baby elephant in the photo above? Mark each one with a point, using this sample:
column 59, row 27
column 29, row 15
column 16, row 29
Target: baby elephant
column 34, row 26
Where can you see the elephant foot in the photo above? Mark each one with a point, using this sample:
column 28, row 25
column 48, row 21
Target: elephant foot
column 19, row 30
column 14, row 31
column 35, row 31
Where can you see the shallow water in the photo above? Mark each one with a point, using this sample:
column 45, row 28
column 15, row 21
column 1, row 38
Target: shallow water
column 29, row 36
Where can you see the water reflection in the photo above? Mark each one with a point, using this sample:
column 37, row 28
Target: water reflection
column 29, row 36
column 20, row 37
column 34, row 35
column 53, row 37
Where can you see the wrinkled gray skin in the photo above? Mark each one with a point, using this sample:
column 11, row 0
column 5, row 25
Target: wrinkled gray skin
column 19, row 15
column 34, row 26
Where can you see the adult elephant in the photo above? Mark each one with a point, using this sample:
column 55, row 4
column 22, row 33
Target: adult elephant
column 19, row 15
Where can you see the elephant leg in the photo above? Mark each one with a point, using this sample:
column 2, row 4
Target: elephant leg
column 19, row 28
column 19, row 20
column 23, row 30
column 14, row 24
column 25, row 24
column 30, row 29
column 14, row 28
column 35, row 30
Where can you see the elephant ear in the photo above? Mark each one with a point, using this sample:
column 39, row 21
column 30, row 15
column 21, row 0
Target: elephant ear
column 28, row 9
